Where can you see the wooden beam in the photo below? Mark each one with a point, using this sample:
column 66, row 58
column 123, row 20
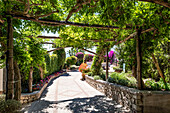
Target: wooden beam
column 134, row 34
column 97, row 40
column 160, row 2
column 52, row 22
column 55, row 49
column 94, row 40
column 47, row 43
column 89, row 51
column 49, row 37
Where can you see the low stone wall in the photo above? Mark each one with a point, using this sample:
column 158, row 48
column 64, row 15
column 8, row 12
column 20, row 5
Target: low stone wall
column 29, row 97
column 136, row 100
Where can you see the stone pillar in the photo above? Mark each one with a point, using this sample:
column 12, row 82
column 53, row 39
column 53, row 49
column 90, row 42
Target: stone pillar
column 1, row 81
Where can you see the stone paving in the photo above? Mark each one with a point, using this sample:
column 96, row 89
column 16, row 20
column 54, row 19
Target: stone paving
column 68, row 94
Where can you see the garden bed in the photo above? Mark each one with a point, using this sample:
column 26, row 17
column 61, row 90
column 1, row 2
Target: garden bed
column 133, row 99
column 29, row 97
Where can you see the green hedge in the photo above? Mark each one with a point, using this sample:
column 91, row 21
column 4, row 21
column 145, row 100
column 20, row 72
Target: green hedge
column 36, row 75
column 153, row 85
column 122, row 79
column 55, row 62
column 71, row 60
column 9, row 106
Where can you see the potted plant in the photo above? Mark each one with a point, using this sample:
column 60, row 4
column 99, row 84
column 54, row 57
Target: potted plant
column 83, row 69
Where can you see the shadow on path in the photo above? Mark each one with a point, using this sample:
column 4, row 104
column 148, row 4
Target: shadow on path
column 96, row 104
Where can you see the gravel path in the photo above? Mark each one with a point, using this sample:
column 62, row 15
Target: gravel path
column 68, row 94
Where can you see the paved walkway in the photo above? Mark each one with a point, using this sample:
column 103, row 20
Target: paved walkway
column 68, row 94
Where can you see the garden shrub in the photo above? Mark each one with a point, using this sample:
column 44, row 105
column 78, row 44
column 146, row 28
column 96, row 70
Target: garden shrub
column 74, row 67
column 71, row 60
column 103, row 76
column 68, row 61
column 122, row 79
column 55, row 62
column 115, row 67
column 2, row 97
column 111, row 57
column 80, row 57
column 61, row 58
column 88, row 58
column 36, row 75
column 82, row 67
column 97, row 60
column 9, row 106
column 97, row 77
column 48, row 62
column 86, row 70
column 90, row 73
column 65, row 66
column 96, row 66
column 153, row 85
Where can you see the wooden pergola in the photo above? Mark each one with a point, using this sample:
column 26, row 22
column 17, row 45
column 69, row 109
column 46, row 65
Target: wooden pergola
column 9, row 53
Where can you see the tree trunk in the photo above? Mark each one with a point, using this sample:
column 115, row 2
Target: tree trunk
column 134, row 71
column 30, row 80
column 17, row 78
column 139, row 61
column 107, row 64
column 97, row 60
column 41, row 71
column 159, row 70
column 9, row 61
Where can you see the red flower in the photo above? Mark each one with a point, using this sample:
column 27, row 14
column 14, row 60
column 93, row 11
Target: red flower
column 82, row 67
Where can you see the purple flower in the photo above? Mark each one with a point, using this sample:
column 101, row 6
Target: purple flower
column 80, row 55
column 42, row 81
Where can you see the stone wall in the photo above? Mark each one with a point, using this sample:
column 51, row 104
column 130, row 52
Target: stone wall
column 29, row 97
column 133, row 99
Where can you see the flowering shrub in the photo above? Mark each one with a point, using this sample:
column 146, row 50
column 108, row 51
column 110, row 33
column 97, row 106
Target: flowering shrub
column 82, row 67
column 80, row 55
column 88, row 57
column 111, row 56
column 42, row 82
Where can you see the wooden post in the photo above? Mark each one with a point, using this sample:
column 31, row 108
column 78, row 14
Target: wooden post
column 9, row 61
column 17, row 85
column 159, row 70
column 139, row 60
column 4, row 80
column 107, row 64
column 30, row 79
column 116, row 62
